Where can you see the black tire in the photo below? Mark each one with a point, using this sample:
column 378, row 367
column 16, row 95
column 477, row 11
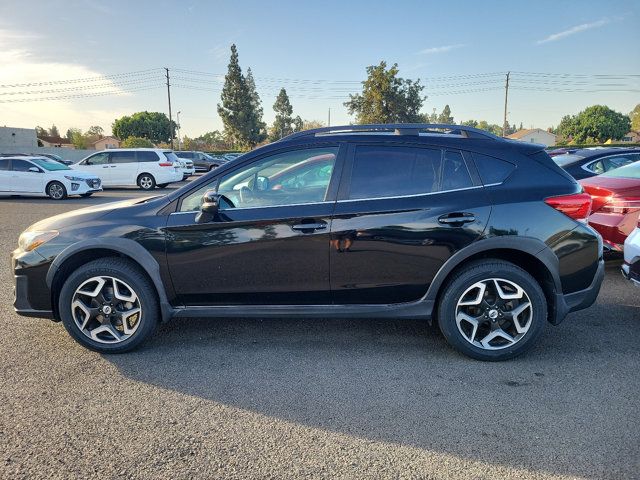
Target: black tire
column 479, row 271
column 86, row 195
column 123, row 270
column 213, row 167
column 146, row 181
column 162, row 185
column 56, row 191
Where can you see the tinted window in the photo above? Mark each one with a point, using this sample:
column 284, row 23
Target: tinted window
column 294, row 177
column 21, row 165
column 4, row 164
column 618, row 161
column 492, row 170
column 123, row 157
column 146, row 156
column 455, row 174
column 388, row 171
column 564, row 160
column 596, row 167
column 184, row 154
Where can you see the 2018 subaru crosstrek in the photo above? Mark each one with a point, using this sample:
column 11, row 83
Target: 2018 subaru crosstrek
column 485, row 236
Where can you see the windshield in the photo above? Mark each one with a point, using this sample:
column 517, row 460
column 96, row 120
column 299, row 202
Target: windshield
column 563, row 160
column 49, row 164
column 631, row 170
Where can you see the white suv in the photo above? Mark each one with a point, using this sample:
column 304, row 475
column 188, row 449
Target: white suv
column 144, row 167
column 40, row 176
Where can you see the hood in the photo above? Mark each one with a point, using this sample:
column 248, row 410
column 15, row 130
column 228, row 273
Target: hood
column 75, row 217
column 75, row 173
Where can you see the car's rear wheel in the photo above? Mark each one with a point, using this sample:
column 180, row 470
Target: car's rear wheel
column 146, row 181
column 109, row 305
column 56, row 191
column 492, row 310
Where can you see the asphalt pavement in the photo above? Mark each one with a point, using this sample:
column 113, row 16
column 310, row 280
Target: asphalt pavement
column 329, row 398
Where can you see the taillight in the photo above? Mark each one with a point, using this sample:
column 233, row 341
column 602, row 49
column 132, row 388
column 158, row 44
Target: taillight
column 166, row 164
column 576, row 206
column 621, row 205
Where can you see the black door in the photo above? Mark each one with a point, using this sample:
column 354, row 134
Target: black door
column 270, row 242
column 402, row 211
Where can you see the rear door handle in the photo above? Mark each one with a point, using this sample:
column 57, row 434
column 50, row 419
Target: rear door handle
column 457, row 218
column 310, row 226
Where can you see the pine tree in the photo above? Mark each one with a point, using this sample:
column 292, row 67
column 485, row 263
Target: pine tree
column 53, row 131
column 242, row 124
column 282, row 125
column 260, row 130
column 445, row 117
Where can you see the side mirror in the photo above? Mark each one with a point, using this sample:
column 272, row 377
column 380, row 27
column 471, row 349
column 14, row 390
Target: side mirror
column 34, row 169
column 209, row 207
column 262, row 184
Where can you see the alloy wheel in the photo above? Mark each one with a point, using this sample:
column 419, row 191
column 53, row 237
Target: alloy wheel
column 494, row 314
column 56, row 191
column 146, row 182
column 106, row 309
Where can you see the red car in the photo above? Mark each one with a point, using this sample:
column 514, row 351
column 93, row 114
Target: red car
column 616, row 203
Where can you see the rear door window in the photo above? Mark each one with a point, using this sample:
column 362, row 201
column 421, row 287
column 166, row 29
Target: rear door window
column 390, row 171
column 455, row 174
column 21, row 165
column 122, row 157
column 147, row 156
column 617, row 161
column 4, row 164
column 492, row 170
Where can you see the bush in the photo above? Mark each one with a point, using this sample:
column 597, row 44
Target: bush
column 137, row 142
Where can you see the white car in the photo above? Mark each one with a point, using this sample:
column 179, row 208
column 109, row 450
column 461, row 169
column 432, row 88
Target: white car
column 41, row 176
column 145, row 167
column 187, row 167
column 631, row 265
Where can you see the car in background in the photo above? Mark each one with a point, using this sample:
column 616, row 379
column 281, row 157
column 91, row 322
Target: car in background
column 232, row 156
column 187, row 167
column 615, row 203
column 561, row 151
column 203, row 162
column 145, row 167
column 631, row 266
column 589, row 162
column 55, row 157
column 41, row 176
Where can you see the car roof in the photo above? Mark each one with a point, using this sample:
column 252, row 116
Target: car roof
column 601, row 152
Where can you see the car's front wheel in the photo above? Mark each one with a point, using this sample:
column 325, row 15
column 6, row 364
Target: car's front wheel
column 146, row 181
column 492, row 310
column 109, row 305
column 56, row 191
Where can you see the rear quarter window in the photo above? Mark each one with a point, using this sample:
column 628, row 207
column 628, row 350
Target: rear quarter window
column 146, row 156
column 491, row 169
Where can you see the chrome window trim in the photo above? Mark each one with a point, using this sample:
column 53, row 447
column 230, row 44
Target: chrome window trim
column 413, row 195
column 587, row 165
column 253, row 208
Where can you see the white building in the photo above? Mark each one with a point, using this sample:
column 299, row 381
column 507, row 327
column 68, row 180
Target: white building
column 11, row 138
column 534, row 135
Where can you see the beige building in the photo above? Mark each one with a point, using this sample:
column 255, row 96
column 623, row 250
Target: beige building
column 534, row 135
column 631, row 137
column 106, row 142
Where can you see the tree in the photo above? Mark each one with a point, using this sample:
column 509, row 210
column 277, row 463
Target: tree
column 53, row 131
column 283, row 123
column 41, row 132
column 70, row 132
column 242, row 120
column 79, row 140
column 634, row 116
column 386, row 98
column 260, row 132
column 137, row 142
column 310, row 124
column 445, row 117
column 595, row 124
column 298, row 124
column 470, row 123
column 154, row 126
column 95, row 131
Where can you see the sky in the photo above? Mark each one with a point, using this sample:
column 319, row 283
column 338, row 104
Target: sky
column 107, row 58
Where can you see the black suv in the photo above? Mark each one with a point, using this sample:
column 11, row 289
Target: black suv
column 589, row 162
column 484, row 235
column 203, row 162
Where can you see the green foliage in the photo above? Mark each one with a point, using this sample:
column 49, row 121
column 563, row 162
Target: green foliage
column 634, row 116
column 71, row 131
column 595, row 124
column 310, row 124
column 283, row 123
column 386, row 98
column 79, row 140
column 240, row 109
column 154, row 126
column 41, row 132
column 53, row 131
column 484, row 125
column 95, row 131
column 207, row 142
column 137, row 142
column 445, row 117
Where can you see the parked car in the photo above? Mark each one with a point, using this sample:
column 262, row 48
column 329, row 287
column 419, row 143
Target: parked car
column 483, row 235
column 590, row 162
column 631, row 265
column 232, row 156
column 144, row 167
column 55, row 157
column 203, row 162
column 41, row 177
column 561, row 151
column 187, row 167
column 616, row 203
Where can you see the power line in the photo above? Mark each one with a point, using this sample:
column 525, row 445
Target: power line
column 66, row 97
column 81, row 80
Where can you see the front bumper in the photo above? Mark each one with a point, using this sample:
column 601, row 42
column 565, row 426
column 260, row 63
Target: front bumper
column 631, row 272
column 21, row 303
column 572, row 302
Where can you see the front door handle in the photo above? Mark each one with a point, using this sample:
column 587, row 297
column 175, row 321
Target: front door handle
column 310, row 226
column 457, row 218
column 106, row 166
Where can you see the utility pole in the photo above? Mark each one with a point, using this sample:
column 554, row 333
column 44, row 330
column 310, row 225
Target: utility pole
column 329, row 118
column 179, row 143
column 505, row 125
column 169, row 98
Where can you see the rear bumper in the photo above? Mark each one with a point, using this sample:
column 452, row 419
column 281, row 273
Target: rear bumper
column 572, row 302
column 631, row 272
column 21, row 303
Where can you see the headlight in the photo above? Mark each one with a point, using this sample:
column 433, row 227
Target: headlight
column 74, row 179
column 30, row 240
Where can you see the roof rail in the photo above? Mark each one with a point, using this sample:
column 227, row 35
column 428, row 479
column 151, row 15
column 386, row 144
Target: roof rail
column 397, row 129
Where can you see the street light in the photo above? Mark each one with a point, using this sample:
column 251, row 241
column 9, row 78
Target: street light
column 179, row 144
